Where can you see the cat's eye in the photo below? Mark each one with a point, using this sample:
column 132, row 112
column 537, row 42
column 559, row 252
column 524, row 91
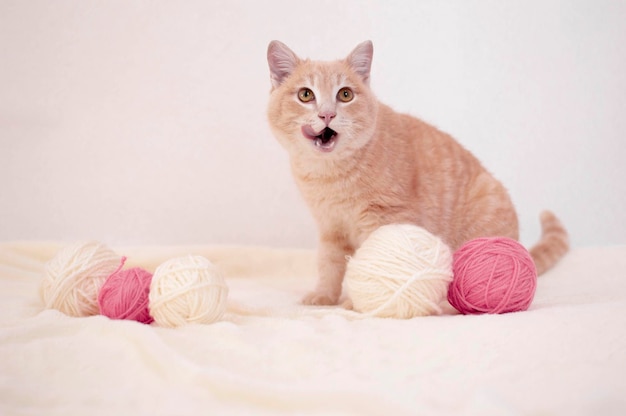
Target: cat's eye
column 305, row 95
column 345, row 94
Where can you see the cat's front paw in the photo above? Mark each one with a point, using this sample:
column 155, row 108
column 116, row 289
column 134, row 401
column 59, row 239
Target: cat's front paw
column 319, row 299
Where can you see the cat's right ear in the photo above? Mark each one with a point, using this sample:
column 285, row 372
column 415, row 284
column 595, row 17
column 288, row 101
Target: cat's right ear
column 282, row 62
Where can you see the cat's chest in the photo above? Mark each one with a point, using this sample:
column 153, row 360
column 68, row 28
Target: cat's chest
column 340, row 207
column 335, row 198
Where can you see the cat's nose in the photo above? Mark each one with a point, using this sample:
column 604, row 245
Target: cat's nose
column 327, row 116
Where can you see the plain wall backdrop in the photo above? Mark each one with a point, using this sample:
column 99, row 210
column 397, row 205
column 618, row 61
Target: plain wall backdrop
column 143, row 122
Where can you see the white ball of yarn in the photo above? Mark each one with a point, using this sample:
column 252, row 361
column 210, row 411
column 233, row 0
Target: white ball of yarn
column 73, row 278
column 187, row 290
column 400, row 271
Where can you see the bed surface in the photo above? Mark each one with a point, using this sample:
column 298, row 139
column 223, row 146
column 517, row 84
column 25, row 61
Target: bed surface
column 270, row 355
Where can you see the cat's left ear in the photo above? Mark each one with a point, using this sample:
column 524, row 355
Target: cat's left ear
column 360, row 59
column 282, row 62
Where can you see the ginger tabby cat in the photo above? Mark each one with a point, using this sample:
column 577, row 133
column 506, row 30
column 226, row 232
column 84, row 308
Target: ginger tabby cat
column 360, row 165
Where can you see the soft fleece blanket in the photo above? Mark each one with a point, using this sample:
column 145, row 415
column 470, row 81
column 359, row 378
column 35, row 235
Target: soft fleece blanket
column 270, row 355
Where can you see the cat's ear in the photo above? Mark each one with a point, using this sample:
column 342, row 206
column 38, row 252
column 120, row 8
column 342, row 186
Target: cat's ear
column 360, row 59
column 282, row 62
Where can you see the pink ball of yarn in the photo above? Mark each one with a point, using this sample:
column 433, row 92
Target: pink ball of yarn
column 124, row 295
column 492, row 275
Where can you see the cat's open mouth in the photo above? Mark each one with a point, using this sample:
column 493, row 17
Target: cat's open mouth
column 324, row 140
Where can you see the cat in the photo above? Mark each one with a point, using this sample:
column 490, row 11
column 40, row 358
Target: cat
column 360, row 165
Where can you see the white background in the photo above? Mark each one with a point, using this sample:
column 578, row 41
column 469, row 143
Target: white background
column 143, row 122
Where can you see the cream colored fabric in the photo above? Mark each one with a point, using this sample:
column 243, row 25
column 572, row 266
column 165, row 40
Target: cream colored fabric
column 272, row 356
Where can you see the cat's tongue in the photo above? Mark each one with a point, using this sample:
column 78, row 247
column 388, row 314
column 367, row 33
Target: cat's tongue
column 324, row 140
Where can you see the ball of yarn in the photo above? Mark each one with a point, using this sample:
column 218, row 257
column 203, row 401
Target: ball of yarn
column 124, row 295
column 187, row 290
column 492, row 275
column 400, row 271
column 73, row 278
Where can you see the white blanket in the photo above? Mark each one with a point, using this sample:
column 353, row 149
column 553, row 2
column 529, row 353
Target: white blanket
column 271, row 356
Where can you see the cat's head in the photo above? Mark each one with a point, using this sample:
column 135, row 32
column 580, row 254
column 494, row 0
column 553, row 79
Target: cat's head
column 321, row 109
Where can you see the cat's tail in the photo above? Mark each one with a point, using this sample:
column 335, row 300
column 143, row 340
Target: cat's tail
column 553, row 245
